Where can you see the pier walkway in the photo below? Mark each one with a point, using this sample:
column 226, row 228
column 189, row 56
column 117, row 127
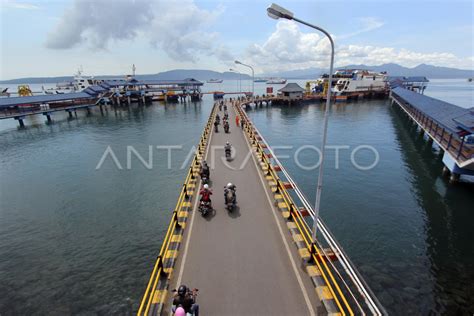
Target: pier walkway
column 444, row 123
column 256, row 260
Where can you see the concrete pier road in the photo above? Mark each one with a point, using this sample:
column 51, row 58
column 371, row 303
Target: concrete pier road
column 244, row 262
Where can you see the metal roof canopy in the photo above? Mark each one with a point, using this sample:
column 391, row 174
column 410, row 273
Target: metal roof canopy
column 185, row 82
column 40, row 99
column 446, row 114
column 291, row 87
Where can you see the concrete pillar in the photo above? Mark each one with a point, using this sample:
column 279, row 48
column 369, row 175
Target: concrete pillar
column 454, row 178
column 128, row 100
column 445, row 171
column 20, row 121
column 101, row 109
column 70, row 114
column 48, row 117
column 88, row 111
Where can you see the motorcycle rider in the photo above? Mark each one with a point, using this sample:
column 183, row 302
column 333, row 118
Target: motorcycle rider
column 228, row 148
column 205, row 194
column 185, row 298
column 204, row 169
column 226, row 125
column 230, row 187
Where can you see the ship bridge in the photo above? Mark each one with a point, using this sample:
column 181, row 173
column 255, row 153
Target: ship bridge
column 258, row 259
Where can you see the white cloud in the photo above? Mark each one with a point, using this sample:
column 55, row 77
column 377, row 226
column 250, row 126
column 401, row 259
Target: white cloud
column 177, row 27
column 13, row 4
column 367, row 24
column 287, row 48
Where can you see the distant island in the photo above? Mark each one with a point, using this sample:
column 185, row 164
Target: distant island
column 429, row 71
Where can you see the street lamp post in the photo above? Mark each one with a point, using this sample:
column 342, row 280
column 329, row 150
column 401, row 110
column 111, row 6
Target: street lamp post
column 240, row 78
column 253, row 75
column 276, row 12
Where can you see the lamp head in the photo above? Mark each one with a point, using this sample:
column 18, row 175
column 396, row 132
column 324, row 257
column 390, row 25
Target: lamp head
column 276, row 12
column 238, row 62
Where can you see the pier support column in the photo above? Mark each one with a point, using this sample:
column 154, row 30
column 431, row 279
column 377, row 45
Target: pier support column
column 128, row 100
column 101, row 109
column 454, row 178
column 22, row 124
column 445, row 171
column 48, row 117
column 88, row 111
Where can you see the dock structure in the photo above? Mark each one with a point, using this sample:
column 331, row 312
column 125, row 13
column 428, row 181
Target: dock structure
column 19, row 108
column 258, row 259
column 451, row 127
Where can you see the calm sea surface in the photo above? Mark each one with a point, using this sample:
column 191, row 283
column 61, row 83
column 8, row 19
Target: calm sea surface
column 77, row 240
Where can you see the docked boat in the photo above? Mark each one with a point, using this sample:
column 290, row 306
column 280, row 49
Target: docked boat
column 4, row 93
column 218, row 95
column 276, row 81
column 214, row 81
column 78, row 84
column 359, row 81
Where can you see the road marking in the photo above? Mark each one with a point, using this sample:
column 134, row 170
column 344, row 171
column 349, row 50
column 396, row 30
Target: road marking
column 293, row 264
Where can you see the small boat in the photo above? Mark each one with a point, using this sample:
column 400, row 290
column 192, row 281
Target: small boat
column 260, row 80
column 219, row 94
column 214, row 81
column 5, row 93
column 469, row 79
column 276, row 81
column 171, row 96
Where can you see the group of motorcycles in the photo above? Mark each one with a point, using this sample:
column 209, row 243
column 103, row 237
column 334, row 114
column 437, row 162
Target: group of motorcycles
column 230, row 198
column 225, row 121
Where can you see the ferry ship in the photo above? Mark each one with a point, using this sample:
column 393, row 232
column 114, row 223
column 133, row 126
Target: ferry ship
column 276, row 81
column 214, row 81
column 79, row 83
column 359, row 81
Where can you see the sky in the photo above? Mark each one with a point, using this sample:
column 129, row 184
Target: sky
column 56, row 37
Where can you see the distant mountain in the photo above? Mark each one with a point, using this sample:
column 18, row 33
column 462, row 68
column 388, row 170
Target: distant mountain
column 429, row 71
column 176, row 74
column 196, row 74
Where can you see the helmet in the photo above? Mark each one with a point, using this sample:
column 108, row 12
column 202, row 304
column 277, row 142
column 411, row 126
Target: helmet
column 204, row 163
column 180, row 312
column 182, row 290
column 227, row 143
column 229, row 185
column 206, row 186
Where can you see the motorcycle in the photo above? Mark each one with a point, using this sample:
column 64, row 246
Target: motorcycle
column 191, row 293
column 204, row 178
column 230, row 199
column 205, row 207
column 226, row 127
column 216, row 128
column 228, row 154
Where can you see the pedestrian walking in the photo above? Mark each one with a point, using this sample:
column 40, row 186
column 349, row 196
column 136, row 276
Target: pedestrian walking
column 237, row 118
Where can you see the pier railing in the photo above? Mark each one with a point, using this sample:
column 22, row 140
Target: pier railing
column 342, row 282
column 448, row 140
column 162, row 268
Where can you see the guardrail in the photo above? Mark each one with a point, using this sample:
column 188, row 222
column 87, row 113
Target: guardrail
column 321, row 257
column 448, row 140
column 184, row 197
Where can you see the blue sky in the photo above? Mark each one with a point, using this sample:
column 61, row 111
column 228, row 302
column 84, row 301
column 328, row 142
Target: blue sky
column 52, row 38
